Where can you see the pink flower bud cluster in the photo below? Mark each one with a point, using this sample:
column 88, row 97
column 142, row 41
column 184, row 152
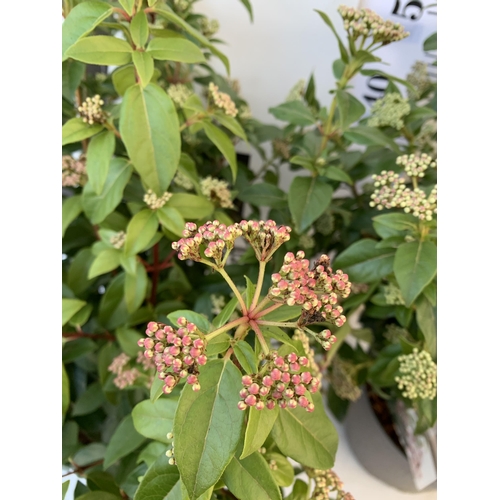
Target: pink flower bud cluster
column 264, row 236
column 316, row 290
column 124, row 377
column 74, row 172
column 176, row 353
column 283, row 383
column 214, row 239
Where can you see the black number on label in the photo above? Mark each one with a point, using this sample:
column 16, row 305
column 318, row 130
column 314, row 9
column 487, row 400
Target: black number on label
column 377, row 83
column 412, row 10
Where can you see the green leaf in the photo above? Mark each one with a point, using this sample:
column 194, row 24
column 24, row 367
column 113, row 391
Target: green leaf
column 300, row 491
column 310, row 438
column 223, row 144
column 65, row 392
column 284, row 474
column 65, row 487
column 98, row 480
column 135, row 289
column 128, row 5
column 101, row 50
column 427, row 322
column 337, row 174
column 191, row 206
column 308, row 199
column 100, row 151
column 89, row 454
column 249, row 292
column 71, row 209
column 105, row 262
column 230, row 123
column 156, row 389
column 81, row 20
column 123, row 78
column 415, row 265
column 204, row 447
column 284, row 313
column 151, row 452
column 245, row 356
column 150, row 131
column 77, row 348
column 175, row 49
column 264, row 195
column 430, row 42
column 161, row 482
column 303, row 161
column 172, row 219
column 386, row 365
column 421, row 113
column 363, row 57
column 248, row 6
column 427, row 414
column 251, row 478
column 70, row 307
column 76, row 129
column 200, row 321
column 112, row 308
column 223, row 317
column 155, row 420
column 100, row 495
column 295, row 112
column 127, row 339
column 89, row 401
column 175, row 19
column 350, row 109
column 141, row 228
column 219, row 344
column 391, row 78
column 145, row 66
column 343, row 51
column 273, row 332
column 98, row 206
column 139, row 29
column 364, row 262
column 370, row 136
column 260, row 423
column 124, row 441
column 388, row 225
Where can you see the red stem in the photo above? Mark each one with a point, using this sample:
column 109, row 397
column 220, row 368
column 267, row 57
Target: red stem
column 77, row 335
column 267, row 311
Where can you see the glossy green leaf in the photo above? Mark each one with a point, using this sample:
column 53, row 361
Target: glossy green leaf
column 248, row 6
column 249, row 292
column 144, row 65
column 172, row 219
column 284, row 473
column 387, row 225
column 310, row 438
column 415, row 265
column 156, row 389
column 141, row 228
column 264, row 195
column 427, row 322
column 112, row 308
column 70, row 307
column 370, row 136
column 99, row 153
column 343, row 51
column 303, row 161
column 364, row 262
column 101, row 50
column 71, row 209
column 200, row 321
column 150, row 131
column 155, row 420
column 385, row 367
column 123, row 78
column 230, row 123
column 82, row 316
column 65, row 487
column 204, row 447
column 72, row 75
column 274, row 332
column 98, row 480
column 105, row 262
column 76, row 129
column 161, row 482
column 223, row 144
column 89, row 454
column 430, row 42
column 421, row 113
column 295, row 112
column 89, row 401
column 308, row 198
column 337, row 174
column 77, row 348
column 350, row 109
column 260, row 423
column 151, row 452
column 100, row 495
column 139, row 29
column 65, row 392
column 219, row 344
column 135, row 289
column 223, row 317
column 128, row 5
column 300, row 491
column 98, row 207
column 127, row 338
column 283, row 313
column 77, row 277
column 245, row 356
column 81, row 20
column 191, row 206
column 175, row 49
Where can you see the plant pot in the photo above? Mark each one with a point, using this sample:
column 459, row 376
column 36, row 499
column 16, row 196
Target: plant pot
column 374, row 441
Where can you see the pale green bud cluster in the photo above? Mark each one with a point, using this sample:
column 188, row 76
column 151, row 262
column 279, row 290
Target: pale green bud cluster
column 325, row 483
column 425, row 140
column 244, row 112
column 170, row 452
column 118, row 240
column 152, row 200
column 281, row 148
column 181, row 5
column 325, row 224
column 419, row 78
column 74, row 172
column 179, row 93
column 91, row 111
column 313, row 366
column 366, row 23
column 394, row 333
column 343, row 380
column 217, row 190
column 183, row 181
column 218, row 302
column 418, row 375
column 222, row 100
column 392, row 295
column 297, row 91
column 415, row 165
column 389, row 111
column 306, row 241
column 209, row 27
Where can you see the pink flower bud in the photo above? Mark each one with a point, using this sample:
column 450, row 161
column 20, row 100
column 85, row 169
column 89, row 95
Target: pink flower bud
column 286, row 377
column 300, row 390
column 140, row 342
column 303, row 361
column 191, row 328
column 280, row 387
column 153, row 326
column 181, row 321
column 294, row 367
column 159, row 347
column 168, row 359
column 149, row 343
column 296, row 379
column 148, row 354
column 276, row 395
column 288, row 393
column 246, row 380
column 243, row 393
column 183, row 373
column 177, row 365
column 259, row 405
column 174, row 350
column 303, row 401
column 292, row 403
column 166, row 389
column 276, row 374
column 186, row 341
column 282, row 404
column 195, row 352
column 264, row 391
column 201, row 360
column 292, row 357
column 170, row 381
column 310, row 407
column 306, row 377
column 196, row 387
column 279, row 361
column 160, row 335
column 250, row 400
column 270, row 404
column 198, row 344
column 188, row 360
column 254, row 388
column 171, row 337
column 192, row 379
column 242, row 406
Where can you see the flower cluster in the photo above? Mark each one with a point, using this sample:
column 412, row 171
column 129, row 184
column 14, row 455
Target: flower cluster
column 170, row 453
column 316, row 290
column 222, row 100
column 366, row 23
column 326, row 482
column 215, row 239
column 91, row 111
column 425, row 140
column 265, row 237
column 394, row 194
column 74, row 173
column 419, row 78
column 179, row 93
column 218, row 302
column 183, row 181
column 283, row 384
column 118, row 240
column 209, row 27
column 217, row 191
column 389, row 111
column 393, row 295
column 415, row 165
column 281, row 148
column 124, row 378
column 313, row 366
column 152, row 200
column 325, row 224
column 297, row 91
column 181, row 5
column 181, row 351
column 343, row 380
column 418, row 375
column 307, row 241
column 245, row 112
column 395, row 333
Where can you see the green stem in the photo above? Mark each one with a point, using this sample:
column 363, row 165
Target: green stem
column 225, row 328
column 263, row 303
column 258, row 288
column 328, row 124
column 260, row 336
column 236, row 292
column 241, row 331
column 289, row 324
column 267, row 311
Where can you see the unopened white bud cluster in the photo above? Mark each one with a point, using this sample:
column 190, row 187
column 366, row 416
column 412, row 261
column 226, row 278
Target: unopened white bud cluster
column 170, row 452
column 392, row 294
column 395, row 333
column 418, row 375
column 183, row 181
column 179, row 93
column 222, row 100
column 419, row 78
column 425, row 140
column 118, row 240
column 366, row 23
column 297, row 91
column 91, row 111
column 415, row 165
column 74, row 172
column 217, row 191
column 244, row 112
column 325, row 483
column 343, row 380
column 389, row 111
column 209, row 27
column 181, row 5
column 152, row 200
column 218, row 302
